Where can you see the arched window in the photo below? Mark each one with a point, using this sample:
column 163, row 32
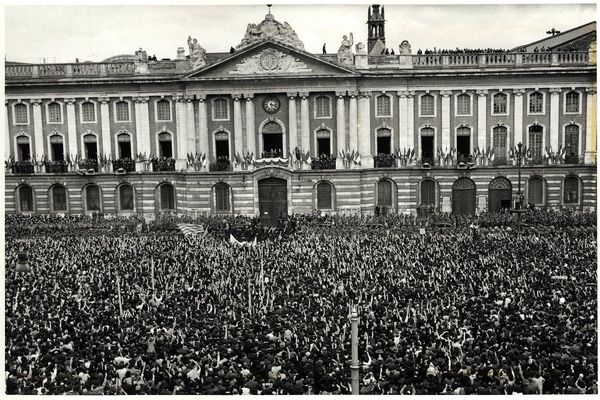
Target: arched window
column 322, row 107
column 126, row 197
column 222, row 203
column 23, row 148
column 165, row 145
column 323, row 143
column 124, row 142
column 463, row 141
column 463, row 196
column 92, row 198
column 167, row 197
column 427, row 105
column 500, row 103
column 499, row 143
column 535, row 191
column 91, row 146
column 57, row 149
column 428, row 145
column 572, row 144
column 428, row 192
column 163, row 110
column 571, row 190
column 536, row 136
column 54, row 114
column 122, row 111
column 25, row 198
column 21, row 116
column 220, row 110
column 272, row 138
column 88, row 112
column 499, row 194
column 222, row 145
column 463, row 104
column 59, row 198
column 384, row 106
column 324, row 196
column 572, row 102
column 384, row 193
column 536, row 103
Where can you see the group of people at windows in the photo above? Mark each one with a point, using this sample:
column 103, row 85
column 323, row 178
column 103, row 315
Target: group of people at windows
column 499, row 193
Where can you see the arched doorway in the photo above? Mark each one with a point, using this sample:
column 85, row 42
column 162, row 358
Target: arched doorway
column 499, row 194
column 272, row 200
column 463, row 196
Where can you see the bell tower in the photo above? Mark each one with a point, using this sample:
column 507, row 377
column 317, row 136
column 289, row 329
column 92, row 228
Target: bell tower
column 376, row 26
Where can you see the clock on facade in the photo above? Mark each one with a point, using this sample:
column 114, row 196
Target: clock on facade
column 271, row 104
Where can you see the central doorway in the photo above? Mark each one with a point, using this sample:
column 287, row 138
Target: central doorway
column 272, row 200
column 463, row 196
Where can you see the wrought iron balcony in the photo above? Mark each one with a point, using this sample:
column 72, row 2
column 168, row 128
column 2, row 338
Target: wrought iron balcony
column 323, row 163
column 88, row 164
column 127, row 164
column 163, row 164
column 222, row 164
column 272, row 154
column 56, row 167
column 22, row 167
column 384, row 161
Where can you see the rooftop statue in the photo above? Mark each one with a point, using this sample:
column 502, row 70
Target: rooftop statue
column 197, row 53
column 405, row 48
column 344, row 54
column 270, row 28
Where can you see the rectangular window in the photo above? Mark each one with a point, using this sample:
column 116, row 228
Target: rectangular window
column 122, row 108
column 571, row 190
column 324, row 196
column 88, row 112
column 500, row 103
column 21, row 114
column 572, row 102
column 322, row 107
column 220, row 111
column 163, row 110
column 126, row 197
column 384, row 108
column 535, row 191
column 427, row 105
column 59, row 198
column 535, row 145
column 463, row 104
column 222, row 198
column 536, row 103
column 54, row 112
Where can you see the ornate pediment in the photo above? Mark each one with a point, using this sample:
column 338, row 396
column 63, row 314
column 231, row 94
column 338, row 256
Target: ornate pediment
column 270, row 61
column 271, row 29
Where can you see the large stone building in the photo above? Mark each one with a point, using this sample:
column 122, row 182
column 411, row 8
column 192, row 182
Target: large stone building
column 271, row 128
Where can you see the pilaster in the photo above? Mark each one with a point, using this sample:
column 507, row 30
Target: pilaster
column 237, row 125
column 481, row 119
column 181, row 127
column 305, row 122
column 518, row 123
column 293, row 123
column 445, row 119
column 142, row 124
column 202, row 144
column 191, row 126
column 71, row 128
column 364, row 129
column 38, row 130
column 410, row 120
column 105, row 119
column 403, row 117
column 554, row 116
column 8, row 145
column 250, row 124
column 590, row 126
column 340, row 132
column 353, row 122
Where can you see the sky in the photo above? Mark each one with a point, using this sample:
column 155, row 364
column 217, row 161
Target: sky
column 62, row 33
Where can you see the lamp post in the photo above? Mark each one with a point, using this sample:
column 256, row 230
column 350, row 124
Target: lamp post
column 519, row 209
column 354, row 366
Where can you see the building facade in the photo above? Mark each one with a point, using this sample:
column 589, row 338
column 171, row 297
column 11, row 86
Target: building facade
column 270, row 128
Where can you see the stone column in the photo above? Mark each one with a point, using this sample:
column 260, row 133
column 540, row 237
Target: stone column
column 293, row 132
column 364, row 130
column 191, row 126
column 481, row 120
column 71, row 128
column 181, row 127
column 554, row 115
column 105, row 118
column 305, row 122
column 237, row 125
column 250, row 125
column 203, row 143
column 403, row 116
column 445, row 120
column 38, row 130
column 353, row 122
column 8, row 145
column 590, row 126
column 340, row 129
column 142, row 126
column 518, row 124
column 410, row 120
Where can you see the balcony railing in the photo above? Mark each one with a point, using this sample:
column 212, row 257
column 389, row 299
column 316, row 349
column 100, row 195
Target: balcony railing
column 56, row 167
column 23, row 167
column 68, row 70
column 88, row 164
column 163, row 164
column 127, row 164
column 323, row 163
column 427, row 161
column 222, row 164
column 272, row 154
column 384, row 161
column 493, row 60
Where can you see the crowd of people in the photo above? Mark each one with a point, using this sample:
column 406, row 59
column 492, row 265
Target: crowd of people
column 442, row 311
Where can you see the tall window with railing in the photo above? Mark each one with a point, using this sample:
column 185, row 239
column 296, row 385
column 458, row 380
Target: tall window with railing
column 499, row 142
column 572, row 144
column 536, row 137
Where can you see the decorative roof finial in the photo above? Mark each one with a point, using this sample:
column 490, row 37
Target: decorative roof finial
column 269, row 5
